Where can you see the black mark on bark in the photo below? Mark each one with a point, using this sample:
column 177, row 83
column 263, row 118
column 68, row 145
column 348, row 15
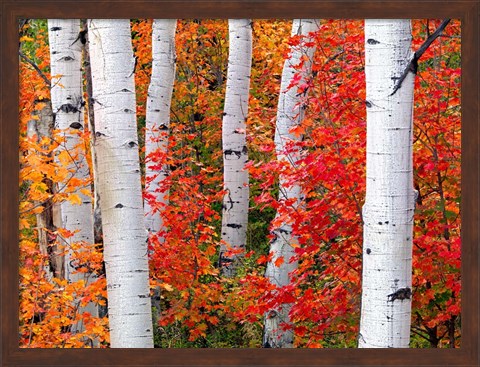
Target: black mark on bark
column 76, row 125
column 238, row 153
column 233, row 225
column 401, row 294
column 68, row 107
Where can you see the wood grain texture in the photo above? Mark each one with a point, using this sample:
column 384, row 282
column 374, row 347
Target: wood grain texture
column 13, row 10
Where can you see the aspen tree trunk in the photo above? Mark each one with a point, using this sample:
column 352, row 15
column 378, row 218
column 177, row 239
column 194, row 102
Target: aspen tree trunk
column 157, row 127
column 235, row 177
column 97, row 215
column 158, row 115
column 120, row 190
column 288, row 116
column 390, row 197
column 67, row 106
column 37, row 128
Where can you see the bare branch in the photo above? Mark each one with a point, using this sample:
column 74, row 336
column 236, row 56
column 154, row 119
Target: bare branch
column 35, row 66
column 413, row 64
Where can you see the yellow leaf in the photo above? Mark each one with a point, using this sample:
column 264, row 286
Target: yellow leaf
column 39, row 106
column 37, row 210
column 86, row 192
column 75, row 199
column 167, row 287
column 40, row 186
column 24, row 223
column 64, row 157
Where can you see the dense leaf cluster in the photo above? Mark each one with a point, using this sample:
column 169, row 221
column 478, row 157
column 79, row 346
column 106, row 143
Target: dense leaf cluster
column 199, row 307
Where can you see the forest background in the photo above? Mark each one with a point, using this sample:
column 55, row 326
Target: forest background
column 200, row 307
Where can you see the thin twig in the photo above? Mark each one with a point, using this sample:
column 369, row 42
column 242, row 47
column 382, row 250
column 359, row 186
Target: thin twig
column 35, row 66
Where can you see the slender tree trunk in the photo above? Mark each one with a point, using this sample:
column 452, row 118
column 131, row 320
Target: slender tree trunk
column 157, row 128
column 289, row 115
column 38, row 128
column 120, row 190
column 67, row 106
column 97, row 215
column 390, row 197
column 158, row 117
column 235, row 201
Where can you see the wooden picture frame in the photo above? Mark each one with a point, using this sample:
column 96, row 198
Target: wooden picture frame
column 467, row 11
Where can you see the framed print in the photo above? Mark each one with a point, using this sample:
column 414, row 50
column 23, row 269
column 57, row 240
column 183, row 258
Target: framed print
column 198, row 183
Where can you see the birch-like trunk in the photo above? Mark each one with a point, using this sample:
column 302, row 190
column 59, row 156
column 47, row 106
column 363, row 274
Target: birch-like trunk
column 235, row 177
column 289, row 115
column 120, row 190
column 67, row 106
column 158, row 117
column 39, row 127
column 157, row 129
column 390, row 197
column 97, row 215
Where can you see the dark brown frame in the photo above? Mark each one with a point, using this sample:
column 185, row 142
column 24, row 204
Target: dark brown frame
column 12, row 10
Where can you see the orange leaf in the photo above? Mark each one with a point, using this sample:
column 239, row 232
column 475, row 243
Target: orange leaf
column 297, row 130
column 279, row 261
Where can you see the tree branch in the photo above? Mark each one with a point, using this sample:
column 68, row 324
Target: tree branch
column 413, row 64
column 417, row 331
column 28, row 60
column 431, row 38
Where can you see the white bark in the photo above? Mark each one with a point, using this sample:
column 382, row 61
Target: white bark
column 97, row 215
column 390, row 197
column 289, row 115
column 157, row 127
column 38, row 128
column 235, row 202
column 120, row 191
column 66, row 92
column 158, row 114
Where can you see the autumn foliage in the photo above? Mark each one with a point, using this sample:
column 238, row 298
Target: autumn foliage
column 199, row 307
